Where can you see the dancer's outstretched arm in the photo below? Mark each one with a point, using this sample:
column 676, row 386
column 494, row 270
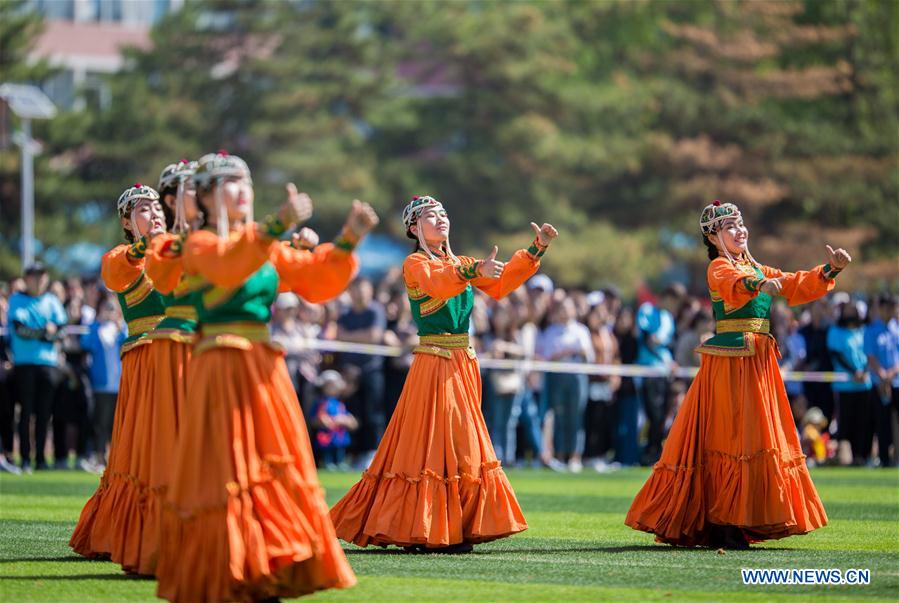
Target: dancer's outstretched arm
column 522, row 266
column 325, row 272
column 805, row 286
column 123, row 265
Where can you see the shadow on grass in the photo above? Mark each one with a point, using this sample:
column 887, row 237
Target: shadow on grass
column 58, row 578
column 66, row 559
column 549, row 550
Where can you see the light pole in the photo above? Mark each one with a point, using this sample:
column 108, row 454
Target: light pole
column 27, row 102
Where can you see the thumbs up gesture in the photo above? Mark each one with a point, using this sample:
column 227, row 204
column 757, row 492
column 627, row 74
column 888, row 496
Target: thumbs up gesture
column 838, row 259
column 490, row 267
column 545, row 234
column 297, row 207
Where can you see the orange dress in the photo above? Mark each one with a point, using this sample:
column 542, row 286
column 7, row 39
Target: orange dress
column 733, row 457
column 245, row 518
column 435, row 479
column 176, row 334
column 121, row 519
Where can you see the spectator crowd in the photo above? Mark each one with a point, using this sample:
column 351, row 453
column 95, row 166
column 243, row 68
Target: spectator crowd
column 60, row 367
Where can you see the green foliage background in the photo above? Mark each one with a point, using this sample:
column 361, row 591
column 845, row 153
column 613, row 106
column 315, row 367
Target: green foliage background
column 615, row 120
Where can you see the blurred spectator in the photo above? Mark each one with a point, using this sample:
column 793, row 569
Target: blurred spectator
column 785, row 329
column 502, row 386
column 817, row 356
column 401, row 332
column 816, row 444
column 525, row 411
column 7, row 393
column 35, row 318
column 882, row 349
column 71, row 425
column 601, row 416
column 541, row 290
column 331, row 423
column 627, row 448
column 855, row 402
column 102, row 343
column 567, row 340
column 656, row 329
column 286, row 333
column 700, row 328
column 364, row 322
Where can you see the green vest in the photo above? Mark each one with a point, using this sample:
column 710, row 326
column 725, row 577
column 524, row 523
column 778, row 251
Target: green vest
column 143, row 308
column 735, row 329
column 435, row 316
column 251, row 301
column 181, row 315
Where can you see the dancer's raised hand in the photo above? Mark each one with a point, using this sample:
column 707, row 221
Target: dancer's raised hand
column 490, row 267
column 306, row 238
column 838, row 259
column 545, row 234
column 297, row 207
column 362, row 218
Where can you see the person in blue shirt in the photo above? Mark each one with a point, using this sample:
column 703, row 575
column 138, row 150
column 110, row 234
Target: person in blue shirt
column 331, row 422
column 35, row 319
column 103, row 343
column 882, row 349
column 655, row 337
column 855, row 402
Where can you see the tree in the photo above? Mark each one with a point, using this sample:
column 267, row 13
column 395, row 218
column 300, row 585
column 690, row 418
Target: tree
column 769, row 105
column 19, row 30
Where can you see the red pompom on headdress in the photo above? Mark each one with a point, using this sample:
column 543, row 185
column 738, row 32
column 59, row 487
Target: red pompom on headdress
column 716, row 203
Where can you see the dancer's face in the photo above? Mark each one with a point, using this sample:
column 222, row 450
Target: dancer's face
column 434, row 225
column 147, row 217
column 190, row 201
column 734, row 235
column 237, row 195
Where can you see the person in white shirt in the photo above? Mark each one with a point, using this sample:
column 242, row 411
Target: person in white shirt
column 567, row 340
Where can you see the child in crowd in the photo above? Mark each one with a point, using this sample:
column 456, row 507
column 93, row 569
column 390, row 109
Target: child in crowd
column 816, row 443
column 331, row 422
column 102, row 343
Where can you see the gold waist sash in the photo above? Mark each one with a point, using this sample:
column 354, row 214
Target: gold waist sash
column 743, row 325
column 240, row 335
column 443, row 345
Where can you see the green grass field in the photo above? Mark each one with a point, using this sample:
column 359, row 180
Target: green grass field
column 577, row 548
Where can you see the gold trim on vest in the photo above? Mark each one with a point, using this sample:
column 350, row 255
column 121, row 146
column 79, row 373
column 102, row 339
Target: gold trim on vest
column 139, row 326
column 743, row 325
column 183, row 312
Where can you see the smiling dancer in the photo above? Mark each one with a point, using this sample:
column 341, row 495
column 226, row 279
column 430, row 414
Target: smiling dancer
column 121, row 519
column 245, row 518
column 732, row 471
column 435, row 483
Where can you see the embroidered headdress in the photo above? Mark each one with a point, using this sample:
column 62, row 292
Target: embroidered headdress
column 413, row 212
column 713, row 217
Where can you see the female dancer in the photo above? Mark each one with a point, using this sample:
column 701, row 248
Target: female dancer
column 121, row 519
column 435, row 483
column 245, row 518
column 732, row 471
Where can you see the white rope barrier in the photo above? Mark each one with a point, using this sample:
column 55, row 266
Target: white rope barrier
column 540, row 366
column 545, row 366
